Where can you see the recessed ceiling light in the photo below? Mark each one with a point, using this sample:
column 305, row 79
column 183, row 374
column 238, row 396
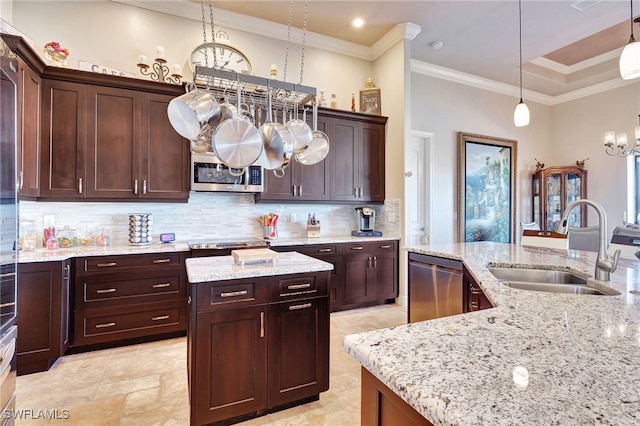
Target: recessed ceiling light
column 358, row 22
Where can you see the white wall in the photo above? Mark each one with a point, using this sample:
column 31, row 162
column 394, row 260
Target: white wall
column 446, row 108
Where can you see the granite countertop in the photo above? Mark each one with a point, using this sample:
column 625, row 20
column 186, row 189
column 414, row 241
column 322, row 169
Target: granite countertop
column 220, row 268
column 535, row 358
column 326, row 240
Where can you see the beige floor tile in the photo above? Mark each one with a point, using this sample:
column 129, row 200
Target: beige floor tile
column 146, row 384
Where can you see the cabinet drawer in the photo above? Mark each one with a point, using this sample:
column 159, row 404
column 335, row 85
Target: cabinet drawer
column 300, row 286
column 125, row 290
column 118, row 263
column 372, row 247
column 109, row 325
column 313, row 250
column 232, row 293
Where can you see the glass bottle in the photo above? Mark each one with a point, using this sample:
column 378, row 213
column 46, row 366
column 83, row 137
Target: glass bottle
column 353, row 102
column 334, row 101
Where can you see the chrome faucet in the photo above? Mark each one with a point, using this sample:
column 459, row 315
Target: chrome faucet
column 604, row 265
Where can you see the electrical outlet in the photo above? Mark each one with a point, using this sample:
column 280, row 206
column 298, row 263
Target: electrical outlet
column 391, row 217
column 293, row 217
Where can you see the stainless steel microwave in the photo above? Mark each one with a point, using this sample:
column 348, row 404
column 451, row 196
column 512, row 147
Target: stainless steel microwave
column 208, row 173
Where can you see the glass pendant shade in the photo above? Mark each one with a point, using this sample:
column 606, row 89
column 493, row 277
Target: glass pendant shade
column 630, row 61
column 521, row 114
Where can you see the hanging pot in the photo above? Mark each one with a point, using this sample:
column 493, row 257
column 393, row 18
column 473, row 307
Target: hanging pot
column 318, row 148
column 277, row 144
column 193, row 112
column 227, row 110
column 302, row 133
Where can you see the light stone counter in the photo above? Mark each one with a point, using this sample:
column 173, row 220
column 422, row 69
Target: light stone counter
column 327, row 240
column 220, row 268
column 45, row 255
column 581, row 353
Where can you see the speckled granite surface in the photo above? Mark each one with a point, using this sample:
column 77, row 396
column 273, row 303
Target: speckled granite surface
column 327, row 240
column 219, row 268
column 536, row 358
column 44, row 255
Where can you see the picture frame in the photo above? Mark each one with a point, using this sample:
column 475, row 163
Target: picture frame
column 487, row 188
column 370, row 101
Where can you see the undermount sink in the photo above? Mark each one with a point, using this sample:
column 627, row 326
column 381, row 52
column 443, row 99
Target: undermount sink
column 546, row 280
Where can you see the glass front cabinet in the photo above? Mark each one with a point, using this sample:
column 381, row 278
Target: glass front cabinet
column 554, row 188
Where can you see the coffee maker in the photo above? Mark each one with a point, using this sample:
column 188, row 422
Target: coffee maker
column 366, row 222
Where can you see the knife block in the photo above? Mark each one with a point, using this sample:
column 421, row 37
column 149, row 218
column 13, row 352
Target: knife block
column 313, row 231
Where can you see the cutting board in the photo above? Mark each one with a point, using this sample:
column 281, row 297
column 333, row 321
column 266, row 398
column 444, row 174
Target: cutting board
column 254, row 255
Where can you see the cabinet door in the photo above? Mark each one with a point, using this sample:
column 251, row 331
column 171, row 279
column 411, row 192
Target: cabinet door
column 384, row 275
column 8, row 136
column 371, row 173
column 64, row 136
column 315, row 180
column 298, row 350
column 278, row 188
column 356, row 288
column 113, row 150
column 230, row 364
column 435, row 287
column 345, row 161
column 39, row 315
column 29, row 99
column 164, row 153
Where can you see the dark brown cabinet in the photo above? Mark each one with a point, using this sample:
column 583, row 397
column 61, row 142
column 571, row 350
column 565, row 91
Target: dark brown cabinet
column 29, row 109
column 125, row 297
column 554, row 188
column 43, row 303
column 435, row 287
column 476, row 300
column 257, row 344
column 371, row 272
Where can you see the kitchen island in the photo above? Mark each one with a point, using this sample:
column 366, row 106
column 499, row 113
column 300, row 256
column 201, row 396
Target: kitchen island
column 258, row 335
column 536, row 358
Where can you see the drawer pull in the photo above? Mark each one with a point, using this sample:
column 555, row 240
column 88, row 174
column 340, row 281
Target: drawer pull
column 261, row 324
column 296, row 307
column 163, row 285
column 106, row 290
column 386, row 246
column 162, row 261
column 357, row 248
column 106, row 265
column 160, row 318
column 105, row 325
column 324, row 250
column 234, row 293
column 298, row 286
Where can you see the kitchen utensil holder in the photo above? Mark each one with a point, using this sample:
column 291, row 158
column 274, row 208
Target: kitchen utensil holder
column 313, row 231
column 269, row 232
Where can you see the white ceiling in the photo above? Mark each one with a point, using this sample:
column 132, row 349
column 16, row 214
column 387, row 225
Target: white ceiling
column 480, row 37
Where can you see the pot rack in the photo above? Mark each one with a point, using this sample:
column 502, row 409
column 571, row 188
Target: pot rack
column 254, row 89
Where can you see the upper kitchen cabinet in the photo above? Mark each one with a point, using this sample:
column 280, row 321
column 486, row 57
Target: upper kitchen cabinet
column 358, row 153
column 29, row 109
column 352, row 172
column 554, row 188
column 300, row 183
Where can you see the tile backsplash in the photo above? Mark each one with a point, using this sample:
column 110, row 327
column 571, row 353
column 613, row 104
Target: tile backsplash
column 208, row 215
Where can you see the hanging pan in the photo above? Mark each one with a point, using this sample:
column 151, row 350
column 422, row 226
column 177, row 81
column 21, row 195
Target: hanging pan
column 193, row 112
column 318, row 148
column 277, row 143
column 302, row 133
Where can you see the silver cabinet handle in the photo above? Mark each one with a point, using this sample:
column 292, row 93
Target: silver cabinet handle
column 234, row 293
column 67, row 272
column 135, row 186
column 297, row 307
column 21, row 179
column 106, row 290
column 385, row 246
column 298, row 286
column 79, row 185
column 375, row 261
column 355, row 192
column 357, row 248
column 160, row 318
column 299, row 190
column 261, row 324
column 144, row 186
column 324, row 250
column 105, row 325
column 369, row 262
column 359, row 192
column 162, row 261
column 293, row 190
column 106, row 265
column 163, row 285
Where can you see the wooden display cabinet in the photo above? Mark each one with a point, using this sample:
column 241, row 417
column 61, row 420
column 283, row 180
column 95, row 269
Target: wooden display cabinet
column 554, row 188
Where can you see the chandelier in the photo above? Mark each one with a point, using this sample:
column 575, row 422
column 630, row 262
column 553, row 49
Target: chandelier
column 616, row 144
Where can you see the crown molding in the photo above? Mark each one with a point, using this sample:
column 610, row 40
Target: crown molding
column 404, row 31
column 570, row 69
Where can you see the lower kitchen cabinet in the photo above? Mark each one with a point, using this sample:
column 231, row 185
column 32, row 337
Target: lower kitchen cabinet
column 43, row 306
column 126, row 297
column 256, row 345
column 476, row 300
column 371, row 272
column 435, row 287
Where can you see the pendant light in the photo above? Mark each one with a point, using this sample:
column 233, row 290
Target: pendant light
column 521, row 114
column 630, row 57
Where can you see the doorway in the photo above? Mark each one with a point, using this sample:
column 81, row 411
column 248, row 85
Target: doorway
column 418, row 183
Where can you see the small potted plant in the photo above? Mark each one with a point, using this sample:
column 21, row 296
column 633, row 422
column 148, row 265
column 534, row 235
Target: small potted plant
column 55, row 53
